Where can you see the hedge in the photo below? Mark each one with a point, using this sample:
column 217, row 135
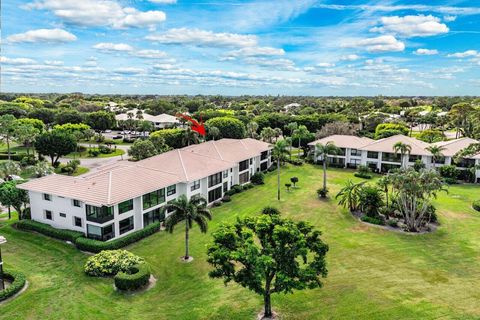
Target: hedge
column 92, row 245
column 476, row 205
column 13, row 157
column 18, row 282
column 62, row 234
column 137, row 278
column 363, row 175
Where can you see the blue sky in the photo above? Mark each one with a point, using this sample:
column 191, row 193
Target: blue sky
column 297, row 47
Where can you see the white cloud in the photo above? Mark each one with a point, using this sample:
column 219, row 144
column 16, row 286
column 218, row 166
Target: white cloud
column 16, row 61
column 53, row 62
column 465, row 54
column 412, row 26
column 283, row 64
column 129, row 70
column 350, row 57
column 164, row 1
column 256, row 52
column 43, row 35
column 378, row 44
column 449, row 18
column 325, row 65
column 108, row 46
column 426, row 52
column 199, row 37
column 150, row 54
column 99, row 13
column 390, row 8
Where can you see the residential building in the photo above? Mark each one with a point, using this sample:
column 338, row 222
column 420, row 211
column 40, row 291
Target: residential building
column 160, row 121
column 118, row 199
column 380, row 155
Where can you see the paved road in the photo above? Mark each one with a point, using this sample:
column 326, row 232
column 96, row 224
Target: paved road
column 93, row 163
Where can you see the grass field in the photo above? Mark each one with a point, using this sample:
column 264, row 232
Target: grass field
column 373, row 273
column 80, row 155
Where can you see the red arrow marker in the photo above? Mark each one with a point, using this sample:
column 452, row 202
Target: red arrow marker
column 197, row 127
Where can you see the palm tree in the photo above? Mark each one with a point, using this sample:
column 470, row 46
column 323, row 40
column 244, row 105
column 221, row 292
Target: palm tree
column 278, row 133
column 403, row 149
column 384, row 183
column 279, row 153
column 139, row 115
column 324, row 150
column 267, row 134
column 252, row 128
column 436, row 152
column 193, row 210
column 289, row 144
column 349, row 195
column 301, row 132
column 189, row 136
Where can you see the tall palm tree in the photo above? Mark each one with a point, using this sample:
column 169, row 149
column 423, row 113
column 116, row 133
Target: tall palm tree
column 189, row 136
column 190, row 211
column 349, row 195
column 252, row 128
column 403, row 149
column 324, row 150
column 279, row 153
column 436, row 152
column 301, row 132
column 384, row 183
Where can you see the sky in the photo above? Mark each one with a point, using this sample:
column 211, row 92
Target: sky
column 229, row 47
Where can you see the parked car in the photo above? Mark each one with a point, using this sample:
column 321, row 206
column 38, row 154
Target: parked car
column 117, row 137
column 108, row 131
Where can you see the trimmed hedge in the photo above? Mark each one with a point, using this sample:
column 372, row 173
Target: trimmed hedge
column 18, row 282
column 62, row 234
column 137, row 277
column 92, row 245
column 476, row 205
column 363, row 175
column 110, row 262
column 372, row 220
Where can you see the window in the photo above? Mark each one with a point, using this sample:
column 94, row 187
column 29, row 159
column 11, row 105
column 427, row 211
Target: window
column 225, row 174
column 214, row 179
column 125, row 206
column 126, row 225
column 372, row 155
column 244, row 177
column 153, row 198
column 264, row 155
column 251, row 161
column 215, row 194
column 99, row 214
column 355, row 152
column 391, row 157
column 48, row 215
column 225, row 187
column 243, row 165
column 47, row 197
column 76, row 203
column 153, row 216
column 264, row 166
column 77, row 222
column 413, row 158
column 195, row 185
column 63, row 215
column 172, row 190
column 100, row 233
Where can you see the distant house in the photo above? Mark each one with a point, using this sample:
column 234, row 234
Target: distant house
column 161, row 121
column 380, row 156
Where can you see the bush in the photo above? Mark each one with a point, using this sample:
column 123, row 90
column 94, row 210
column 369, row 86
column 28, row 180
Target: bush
column 257, row 178
column 104, row 149
column 247, row 186
column 294, row 180
column 272, row 168
column 134, row 278
column 295, row 162
column 81, row 148
column 372, row 220
column 93, row 152
column 393, row 223
column 450, row 180
column 217, row 204
column 450, row 172
column 226, row 198
column 237, row 188
column 110, row 262
column 28, row 161
column 270, row 211
column 322, row 193
column 476, row 205
column 363, row 175
column 45, row 229
column 17, row 283
column 92, row 245
column 14, row 157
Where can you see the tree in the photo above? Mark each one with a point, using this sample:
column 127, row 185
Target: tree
column 370, row 200
column 189, row 211
column 278, row 133
column 267, row 134
column 436, row 152
column 69, row 116
column 172, row 137
column 403, row 149
column 7, row 130
column 336, row 128
column 268, row 254
column 300, row 133
column 459, row 114
column 11, row 196
column 288, row 186
column 294, row 180
column 142, row 149
column 229, row 127
column 26, row 135
column 189, row 136
column 292, row 126
column 8, row 169
column 46, row 115
column 100, row 120
column 55, row 143
column 213, row 132
column 36, row 123
column 349, row 195
column 323, row 150
column 159, row 144
column 145, row 126
column 431, row 136
column 279, row 153
column 385, row 130
column 384, row 183
column 42, row 168
column 252, row 128
column 414, row 191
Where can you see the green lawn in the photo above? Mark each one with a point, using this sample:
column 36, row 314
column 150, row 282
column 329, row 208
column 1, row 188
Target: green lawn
column 80, row 155
column 79, row 171
column 373, row 273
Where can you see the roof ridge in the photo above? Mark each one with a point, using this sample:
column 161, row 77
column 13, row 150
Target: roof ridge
column 216, row 149
column 183, row 165
column 109, row 192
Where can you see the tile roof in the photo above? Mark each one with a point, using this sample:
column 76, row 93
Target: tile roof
column 344, row 141
column 451, row 147
column 386, row 145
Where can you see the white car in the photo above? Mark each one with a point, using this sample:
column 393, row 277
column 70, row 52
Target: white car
column 108, row 131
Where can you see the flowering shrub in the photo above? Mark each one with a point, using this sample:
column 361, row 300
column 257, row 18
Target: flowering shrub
column 111, row 262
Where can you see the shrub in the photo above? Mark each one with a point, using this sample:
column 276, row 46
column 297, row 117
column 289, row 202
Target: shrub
column 226, row 198
column 217, row 204
column 17, row 283
column 393, row 223
column 372, row 220
column 28, row 161
column 322, row 192
column 45, row 229
column 450, row 172
column 294, row 180
column 237, row 188
column 247, row 186
column 270, row 211
column 104, row 149
column 93, row 153
column 81, row 148
column 257, row 178
column 133, row 279
column 295, row 162
column 110, row 262
column 14, row 157
column 288, row 185
column 272, row 168
column 476, row 205
column 92, row 245
column 363, row 175
column 450, row 180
